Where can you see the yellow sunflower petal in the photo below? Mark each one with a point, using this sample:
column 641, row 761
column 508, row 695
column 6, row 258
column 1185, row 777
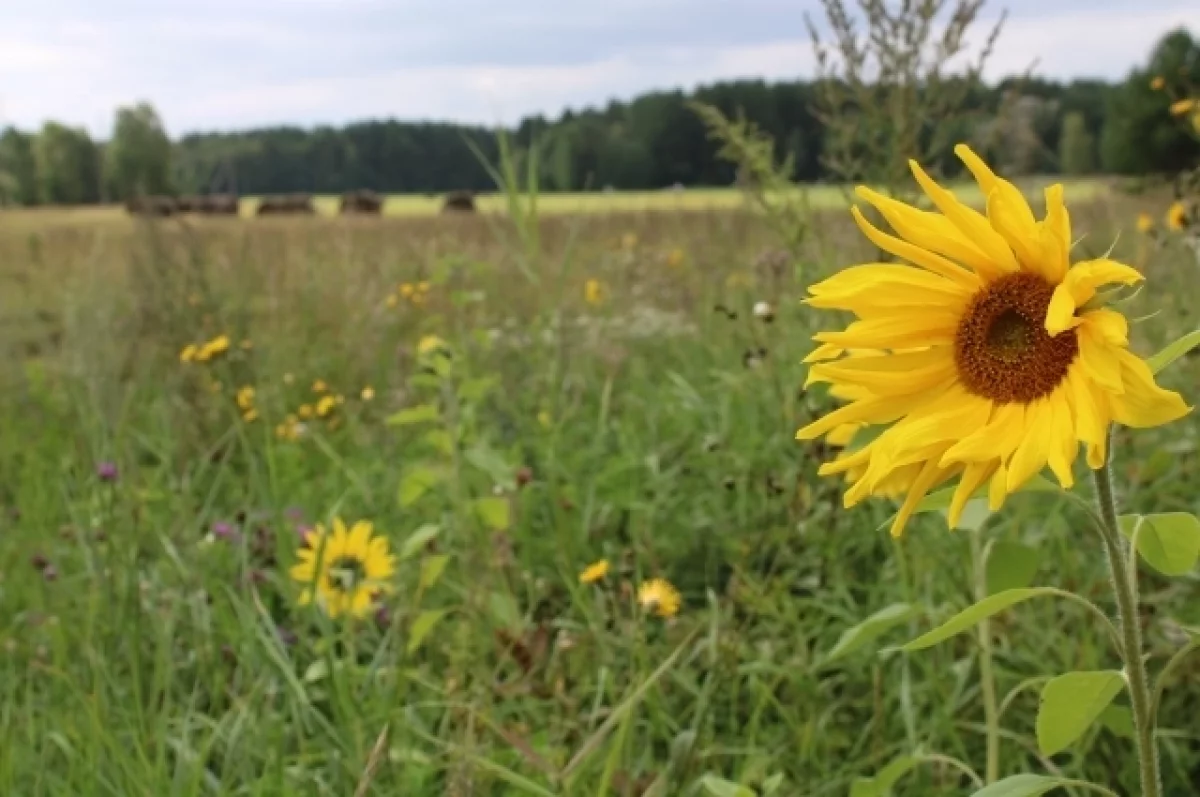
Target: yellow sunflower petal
column 929, row 328
column 1062, row 446
column 886, row 286
column 843, row 435
column 869, row 410
column 998, row 488
column 1078, row 288
column 361, row 603
column 303, row 572
column 1096, row 357
column 930, row 231
column 973, row 476
column 930, row 476
column 359, row 542
column 997, row 438
column 1054, row 234
column 913, row 254
column 1033, row 450
column 920, row 371
column 1143, row 403
column 823, row 352
column 971, row 223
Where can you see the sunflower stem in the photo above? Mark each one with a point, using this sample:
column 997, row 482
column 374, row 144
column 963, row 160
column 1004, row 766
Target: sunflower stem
column 987, row 678
column 1125, row 590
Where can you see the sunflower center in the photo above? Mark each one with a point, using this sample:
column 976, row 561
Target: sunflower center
column 346, row 573
column 1002, row 350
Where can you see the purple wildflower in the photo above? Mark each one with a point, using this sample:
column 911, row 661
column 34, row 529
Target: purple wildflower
column 107, row 471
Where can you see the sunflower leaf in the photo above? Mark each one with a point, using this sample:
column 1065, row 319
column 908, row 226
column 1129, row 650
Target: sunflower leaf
column 1026, row 786
column 858, row 636
column 1173, row 351
column 1010, row 565
column 421, row 627
column 1071, row 703
column 416, row 481
column 969, row 617
column 940, row 500
column 417, row 541
column 880, row 785
column 431, row 570
column 422, row 413
column 494, row 512
column 1169, row 542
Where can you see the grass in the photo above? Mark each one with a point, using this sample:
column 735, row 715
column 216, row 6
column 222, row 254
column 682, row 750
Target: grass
column 143, row 654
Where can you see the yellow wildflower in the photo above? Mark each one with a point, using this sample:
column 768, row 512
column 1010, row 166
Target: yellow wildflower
column 319, row 386
column 305, row 411
column 1180, row 107
column 1177, row 217
column 188, row 353
column 245, row 398
column 326, row 406
column 1157, row 83
column 593, row 291
column 659, row 596
column 594, row 572
column 344, row 571
column 1145, row 222
column 368, row 393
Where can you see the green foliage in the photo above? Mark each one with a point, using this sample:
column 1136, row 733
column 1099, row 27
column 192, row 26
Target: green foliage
column 859, row 636
column 1070, row 704
column 138, row 158
column 1169, row 542
column 972, row 615
column 1077, row 147
column 68, row 165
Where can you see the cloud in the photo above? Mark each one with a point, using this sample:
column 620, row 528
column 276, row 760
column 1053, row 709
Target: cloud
column 240, row 63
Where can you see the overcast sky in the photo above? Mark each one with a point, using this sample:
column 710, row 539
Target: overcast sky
column 222, row 64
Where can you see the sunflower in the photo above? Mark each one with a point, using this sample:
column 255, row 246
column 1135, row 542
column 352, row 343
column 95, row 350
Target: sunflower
column 659, row 596
column 1181, row 107
column 594, row 572
column 1000, row 359
column 346, row 570
column 1177, row 217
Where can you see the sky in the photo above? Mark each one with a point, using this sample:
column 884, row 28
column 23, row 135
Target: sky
column 235, row 64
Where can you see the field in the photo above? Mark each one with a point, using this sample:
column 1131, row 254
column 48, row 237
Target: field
column 823, row 197
column 600, row 389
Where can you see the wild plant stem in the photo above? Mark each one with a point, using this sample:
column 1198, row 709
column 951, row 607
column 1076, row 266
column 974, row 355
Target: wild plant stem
column 1131, row 634
column 987, row 679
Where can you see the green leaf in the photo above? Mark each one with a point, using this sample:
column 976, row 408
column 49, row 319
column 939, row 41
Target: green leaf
column 421, row 627
column 1023, row 786
column 975, row 513
column 474, row 390
column 439, row 440
column 1071, row 703
column 432, row 568
column 719, row 787
column 1011, row 565
column 493, row 512
column 881, row 785
column 1173, row 351
column 494, row 465
column 504, row 611
column 772, row 784
column 418, row 540
column 1169, row 542
column 416, row 481
column 967, row 618
column 422, row 413
column 871, row 628
column 1118, row 720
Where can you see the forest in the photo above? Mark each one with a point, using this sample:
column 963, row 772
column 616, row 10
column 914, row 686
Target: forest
column 1027, row 124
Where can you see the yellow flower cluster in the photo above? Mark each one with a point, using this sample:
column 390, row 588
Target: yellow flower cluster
column 416, row 293
column 245, row 402
column 204, row 352
column 655, row 596
column 594, row 292
column 324, row 408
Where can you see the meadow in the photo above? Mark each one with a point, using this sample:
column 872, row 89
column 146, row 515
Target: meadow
column 509, row 401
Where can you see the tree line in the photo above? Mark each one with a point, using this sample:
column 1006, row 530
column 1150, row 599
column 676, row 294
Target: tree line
column 1028, row 125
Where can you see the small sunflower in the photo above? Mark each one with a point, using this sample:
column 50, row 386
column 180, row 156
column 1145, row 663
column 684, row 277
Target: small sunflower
column 1145, row 223
column 245, row 398
column 1177, row 217
column 345, row 570
column 1002, row 358
column 659, row 596
column 1181, row 107
column 326, row 406
column 594, row 572
column 429, row 345
column 593, row 291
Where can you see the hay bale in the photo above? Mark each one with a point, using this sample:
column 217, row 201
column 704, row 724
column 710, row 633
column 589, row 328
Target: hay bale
column 159, row 206
column 459, row 202
column 361, row 201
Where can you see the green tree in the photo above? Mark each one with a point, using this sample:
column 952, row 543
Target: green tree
column 68, row 165
column 138, row 159
column 17, row 161
column 1076, row 146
